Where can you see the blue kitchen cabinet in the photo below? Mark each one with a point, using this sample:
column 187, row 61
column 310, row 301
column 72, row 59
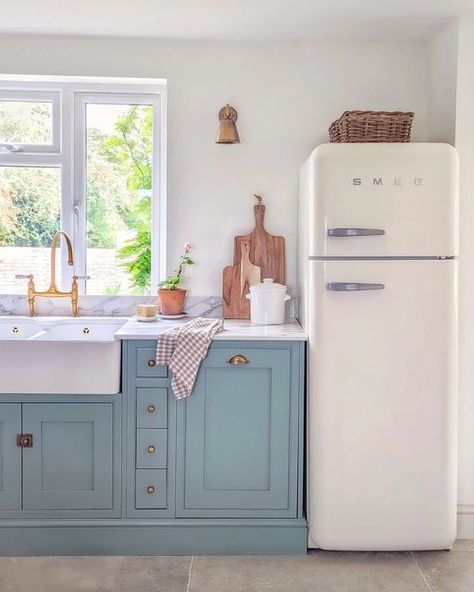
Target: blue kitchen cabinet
column 141, row 473
column 10, row 457
column 60, row 457
column 150, row 445
column 239, row 434
column 233, row 449
column 150, row 433
column 70, row 465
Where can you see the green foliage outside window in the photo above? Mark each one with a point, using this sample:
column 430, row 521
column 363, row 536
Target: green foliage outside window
column 119, row 182
column 131, row 148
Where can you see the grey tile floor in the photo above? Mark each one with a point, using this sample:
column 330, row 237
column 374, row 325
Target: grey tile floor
column 319, row 571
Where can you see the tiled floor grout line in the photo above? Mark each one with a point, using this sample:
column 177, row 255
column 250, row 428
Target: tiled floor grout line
column 190, row 573
column 421, row 572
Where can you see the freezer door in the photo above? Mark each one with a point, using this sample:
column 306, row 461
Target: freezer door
column 382, row 404
column 382, row 200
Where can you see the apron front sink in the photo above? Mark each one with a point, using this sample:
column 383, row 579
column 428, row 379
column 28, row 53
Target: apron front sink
column 60, row 355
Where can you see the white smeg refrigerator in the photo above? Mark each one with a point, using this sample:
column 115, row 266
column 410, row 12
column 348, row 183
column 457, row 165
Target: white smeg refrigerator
column 377, row 269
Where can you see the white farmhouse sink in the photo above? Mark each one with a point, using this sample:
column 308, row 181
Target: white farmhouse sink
column 60, row 355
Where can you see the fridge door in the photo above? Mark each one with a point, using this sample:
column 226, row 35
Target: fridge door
column 382, row 200
column 382, row 405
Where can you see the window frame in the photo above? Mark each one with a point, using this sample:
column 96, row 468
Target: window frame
column 70, row 93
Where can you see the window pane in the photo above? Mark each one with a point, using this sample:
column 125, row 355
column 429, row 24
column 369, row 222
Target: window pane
column 118, row 191
column 30, row 201
column 26, row 122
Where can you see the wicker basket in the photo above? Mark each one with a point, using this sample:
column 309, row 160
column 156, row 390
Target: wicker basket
column 372, row 126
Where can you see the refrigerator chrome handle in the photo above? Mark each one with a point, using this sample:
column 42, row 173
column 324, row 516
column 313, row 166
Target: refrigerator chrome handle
column 353, row 286
column 345, row 232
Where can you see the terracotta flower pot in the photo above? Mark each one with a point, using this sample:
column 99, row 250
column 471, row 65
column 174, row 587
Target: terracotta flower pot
column 171, row 301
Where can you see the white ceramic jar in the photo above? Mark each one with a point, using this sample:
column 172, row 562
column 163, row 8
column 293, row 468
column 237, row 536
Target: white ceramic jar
column 267, row 303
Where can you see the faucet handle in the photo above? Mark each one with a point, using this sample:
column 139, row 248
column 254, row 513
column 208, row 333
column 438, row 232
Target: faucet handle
column 23, row 276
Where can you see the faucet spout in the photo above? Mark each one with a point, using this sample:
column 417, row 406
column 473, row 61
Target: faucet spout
column 70, row 256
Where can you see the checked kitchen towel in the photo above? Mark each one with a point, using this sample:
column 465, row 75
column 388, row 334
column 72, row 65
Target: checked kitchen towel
column 183, row 348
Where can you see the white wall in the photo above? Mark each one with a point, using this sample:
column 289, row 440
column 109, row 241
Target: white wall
column 286, row 95
column 465, row 146
column 451, row 119
column 443, row 52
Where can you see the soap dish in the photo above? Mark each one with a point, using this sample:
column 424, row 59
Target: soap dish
column 145, row 319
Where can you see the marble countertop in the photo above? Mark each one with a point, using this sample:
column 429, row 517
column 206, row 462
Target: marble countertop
column 233, row 330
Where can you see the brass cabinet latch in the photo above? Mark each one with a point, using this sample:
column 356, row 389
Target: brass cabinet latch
column 24, row 440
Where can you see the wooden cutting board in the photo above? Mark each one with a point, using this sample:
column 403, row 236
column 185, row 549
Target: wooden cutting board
column 263, row 256
column 234, row 303
column 267, row 251
column 249, row 273
column 236, row 281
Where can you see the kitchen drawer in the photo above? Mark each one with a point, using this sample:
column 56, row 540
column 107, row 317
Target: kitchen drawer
column 151, row 449
column 150, row 488
column 152, row 407
column 146, row 365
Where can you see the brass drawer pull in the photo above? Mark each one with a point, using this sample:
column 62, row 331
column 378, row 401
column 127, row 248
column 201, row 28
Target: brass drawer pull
column 151, row 450
column 238, row 360
column 152, row 363
column 150, row 489
column 151, row 409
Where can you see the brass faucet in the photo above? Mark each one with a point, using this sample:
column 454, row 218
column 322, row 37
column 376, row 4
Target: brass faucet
column 53, row 291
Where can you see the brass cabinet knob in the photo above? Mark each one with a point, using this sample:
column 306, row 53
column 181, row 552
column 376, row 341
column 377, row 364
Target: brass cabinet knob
column 150, row 489
column 151, row 409
column 152, row 363
column 151, row 449
column 238, row 360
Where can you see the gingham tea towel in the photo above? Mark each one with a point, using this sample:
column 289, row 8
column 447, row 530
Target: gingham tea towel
column 183, row 348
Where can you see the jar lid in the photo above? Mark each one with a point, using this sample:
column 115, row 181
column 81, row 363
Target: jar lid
column 268, row 285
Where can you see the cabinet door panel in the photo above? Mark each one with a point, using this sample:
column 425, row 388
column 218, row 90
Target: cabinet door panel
column 10, row 457
column 71, row 462
column 236, row 455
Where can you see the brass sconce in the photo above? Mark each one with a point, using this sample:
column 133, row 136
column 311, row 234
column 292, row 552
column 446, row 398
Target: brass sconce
column 227, row 132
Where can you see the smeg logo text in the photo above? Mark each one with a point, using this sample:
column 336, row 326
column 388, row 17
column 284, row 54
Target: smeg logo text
column 381, row 181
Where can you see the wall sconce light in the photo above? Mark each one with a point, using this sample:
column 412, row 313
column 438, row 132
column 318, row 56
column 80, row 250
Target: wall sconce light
column 227, row 132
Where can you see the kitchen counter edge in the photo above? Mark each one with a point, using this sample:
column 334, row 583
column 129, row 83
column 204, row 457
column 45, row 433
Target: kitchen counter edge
column 242, row 330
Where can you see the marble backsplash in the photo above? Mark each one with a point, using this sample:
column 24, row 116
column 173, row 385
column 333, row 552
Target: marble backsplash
column 115, row 306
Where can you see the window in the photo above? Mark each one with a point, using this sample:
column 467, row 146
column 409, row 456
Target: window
column 29, row 121
column 86, row 157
